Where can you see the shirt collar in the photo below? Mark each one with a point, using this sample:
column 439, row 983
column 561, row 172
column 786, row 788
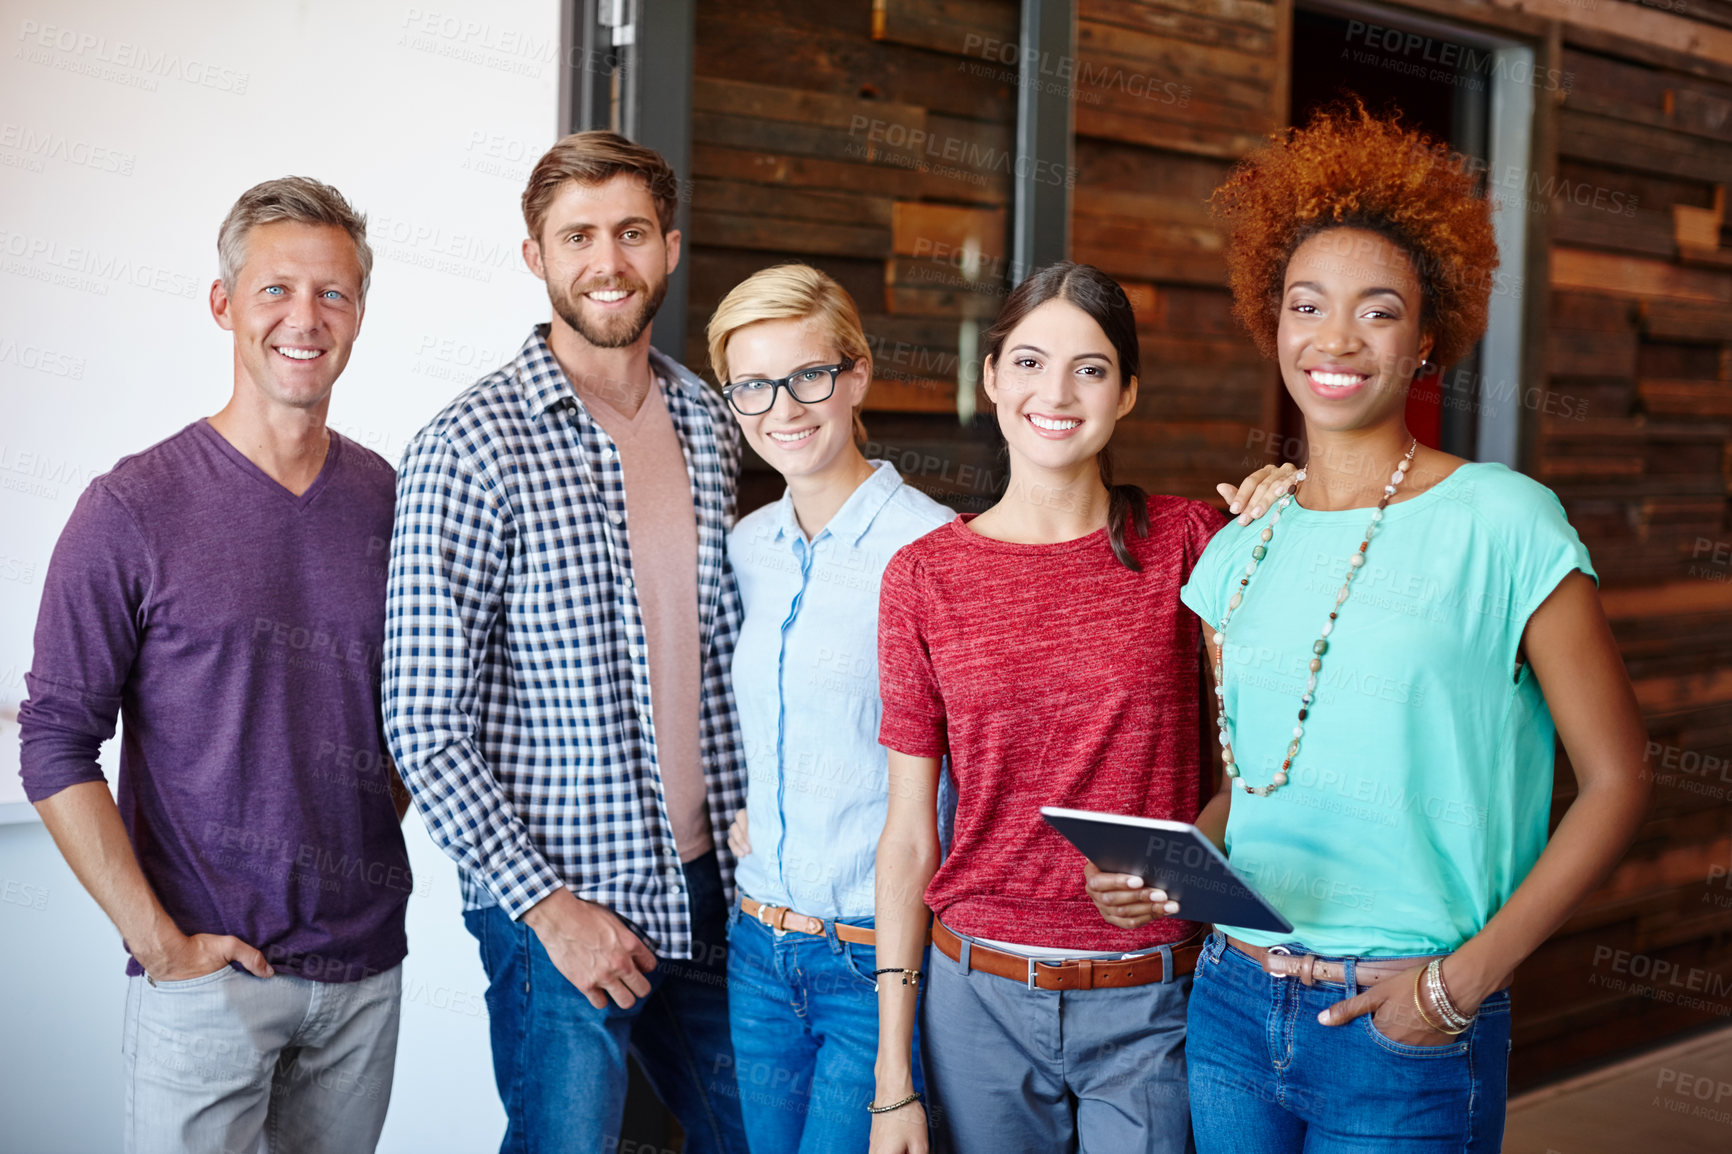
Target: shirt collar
column 857, row 513
column 545, row 383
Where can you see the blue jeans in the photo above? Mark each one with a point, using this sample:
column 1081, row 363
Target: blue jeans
column 560, row 1063
column 1267, row 1078
column 805, row 1025
column 1017, row 1069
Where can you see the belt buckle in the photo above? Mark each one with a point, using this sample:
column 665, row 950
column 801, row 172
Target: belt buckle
column 765, row 913
column 1281, row 951
column 1032, row 963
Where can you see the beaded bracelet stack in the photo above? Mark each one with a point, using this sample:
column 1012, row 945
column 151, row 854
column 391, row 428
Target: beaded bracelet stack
column 1454, row 1021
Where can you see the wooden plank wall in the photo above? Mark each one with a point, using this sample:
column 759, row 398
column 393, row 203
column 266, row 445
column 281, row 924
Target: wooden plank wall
column 876, row 143
column 1168, row 94
column 1634, row 432
column 875, row 139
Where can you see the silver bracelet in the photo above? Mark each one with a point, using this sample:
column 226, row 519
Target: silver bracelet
column 1445, row 1004
column 1440, row 1001
column 896, row 1105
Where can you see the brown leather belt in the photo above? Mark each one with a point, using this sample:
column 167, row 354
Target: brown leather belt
column 1311, row 969
column 783, row 918
column 1075, row 974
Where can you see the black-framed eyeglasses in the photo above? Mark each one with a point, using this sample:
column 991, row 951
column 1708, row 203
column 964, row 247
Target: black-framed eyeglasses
column 808, row 386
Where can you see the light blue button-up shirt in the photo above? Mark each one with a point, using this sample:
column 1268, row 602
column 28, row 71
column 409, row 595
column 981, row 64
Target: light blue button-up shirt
column 805, row 676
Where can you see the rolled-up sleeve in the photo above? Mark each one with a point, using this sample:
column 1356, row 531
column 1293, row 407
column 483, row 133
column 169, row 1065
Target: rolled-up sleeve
column 87, row 636
column 450, row 553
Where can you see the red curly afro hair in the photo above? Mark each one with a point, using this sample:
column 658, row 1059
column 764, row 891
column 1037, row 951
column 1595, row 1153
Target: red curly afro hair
column 1350, row 169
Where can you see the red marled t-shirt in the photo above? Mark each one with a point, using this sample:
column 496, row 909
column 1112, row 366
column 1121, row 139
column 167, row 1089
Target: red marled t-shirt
column 1051, row 675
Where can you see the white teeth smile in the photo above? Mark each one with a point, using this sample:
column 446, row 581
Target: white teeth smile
column 1051, row 425
column 608, row 296
column 790, row 438
column 1336, row 380
column 301, row 354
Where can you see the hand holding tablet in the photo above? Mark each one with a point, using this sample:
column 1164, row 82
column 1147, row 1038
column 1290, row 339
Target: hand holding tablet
column 1170, row 856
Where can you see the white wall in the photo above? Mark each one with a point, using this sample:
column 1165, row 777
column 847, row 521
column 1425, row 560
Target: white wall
column 126, row 131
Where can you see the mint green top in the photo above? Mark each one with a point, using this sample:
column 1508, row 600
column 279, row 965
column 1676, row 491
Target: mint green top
column 1419, row 797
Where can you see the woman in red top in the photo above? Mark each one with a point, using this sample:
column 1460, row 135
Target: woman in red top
column 1041, row 648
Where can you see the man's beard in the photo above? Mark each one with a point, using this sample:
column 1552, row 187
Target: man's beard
column 620, row 331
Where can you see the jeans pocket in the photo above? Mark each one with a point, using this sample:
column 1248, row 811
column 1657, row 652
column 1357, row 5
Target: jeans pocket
column 862, row 960
column 209, row 979
column 1454, row 1048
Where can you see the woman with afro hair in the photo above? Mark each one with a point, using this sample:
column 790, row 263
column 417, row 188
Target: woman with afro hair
column 1395, row 646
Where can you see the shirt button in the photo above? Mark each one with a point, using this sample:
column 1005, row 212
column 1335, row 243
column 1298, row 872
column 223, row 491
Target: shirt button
column 616, row 518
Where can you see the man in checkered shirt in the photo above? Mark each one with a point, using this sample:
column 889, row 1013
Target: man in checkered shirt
column 558, row 626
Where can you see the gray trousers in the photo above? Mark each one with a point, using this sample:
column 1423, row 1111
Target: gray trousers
column 1010, row 1069
column 233, row 1064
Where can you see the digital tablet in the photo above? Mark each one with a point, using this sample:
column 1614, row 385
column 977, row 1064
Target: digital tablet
column 1172, row 856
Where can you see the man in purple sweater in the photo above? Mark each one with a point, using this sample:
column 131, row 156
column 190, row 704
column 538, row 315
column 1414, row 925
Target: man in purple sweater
column 223, row 592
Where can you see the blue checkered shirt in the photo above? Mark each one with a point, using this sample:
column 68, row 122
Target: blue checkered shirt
column 516, row 672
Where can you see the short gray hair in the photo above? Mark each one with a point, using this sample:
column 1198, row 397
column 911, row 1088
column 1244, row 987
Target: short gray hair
column 297, row 198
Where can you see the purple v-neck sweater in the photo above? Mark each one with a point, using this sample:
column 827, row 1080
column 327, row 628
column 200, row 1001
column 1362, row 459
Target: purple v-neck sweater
column 237, row 631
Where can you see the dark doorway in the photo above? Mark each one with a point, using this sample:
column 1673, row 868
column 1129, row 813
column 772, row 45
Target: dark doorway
column 1438, row 85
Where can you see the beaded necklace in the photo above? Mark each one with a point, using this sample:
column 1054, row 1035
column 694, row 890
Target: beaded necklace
column 1318, row 647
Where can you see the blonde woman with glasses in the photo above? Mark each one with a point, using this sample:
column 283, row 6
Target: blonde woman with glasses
column 788, row 347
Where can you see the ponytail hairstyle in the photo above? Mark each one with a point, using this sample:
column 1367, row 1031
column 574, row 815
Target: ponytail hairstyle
column 1099, row 296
